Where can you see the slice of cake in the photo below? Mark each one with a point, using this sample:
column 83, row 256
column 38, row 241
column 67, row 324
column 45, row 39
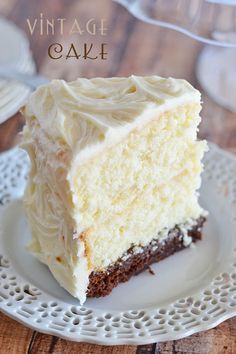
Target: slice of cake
column 115, row 168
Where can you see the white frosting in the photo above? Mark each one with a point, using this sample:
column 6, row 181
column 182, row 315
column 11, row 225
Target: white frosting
column 89, row 115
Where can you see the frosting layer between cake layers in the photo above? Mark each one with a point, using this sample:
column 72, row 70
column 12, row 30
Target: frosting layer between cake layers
column 114, row 163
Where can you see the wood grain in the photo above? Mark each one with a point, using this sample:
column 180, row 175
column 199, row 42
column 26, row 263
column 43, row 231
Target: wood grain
column 14, row 338
column 134, row 48
column 49, row 344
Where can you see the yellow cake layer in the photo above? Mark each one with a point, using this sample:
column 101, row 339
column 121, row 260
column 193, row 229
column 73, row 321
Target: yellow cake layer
column 139, row 186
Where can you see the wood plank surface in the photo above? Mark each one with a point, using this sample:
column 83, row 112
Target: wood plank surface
column 133, row 48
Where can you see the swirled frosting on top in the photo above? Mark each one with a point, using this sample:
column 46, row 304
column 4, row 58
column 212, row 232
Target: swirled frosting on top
column 90, row 114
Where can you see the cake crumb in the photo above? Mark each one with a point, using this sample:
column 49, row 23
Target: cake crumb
column 187, row 240
column 151, row 271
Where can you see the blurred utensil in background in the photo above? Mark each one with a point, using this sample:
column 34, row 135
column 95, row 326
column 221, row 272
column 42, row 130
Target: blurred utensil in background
column 31, row 80
column 199, row 19
column 15, row 54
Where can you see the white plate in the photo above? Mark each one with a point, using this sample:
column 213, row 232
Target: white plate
column 17, row 54
column 192, row 291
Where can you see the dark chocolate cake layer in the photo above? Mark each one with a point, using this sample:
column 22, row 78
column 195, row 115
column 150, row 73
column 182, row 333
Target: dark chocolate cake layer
column 132, row 263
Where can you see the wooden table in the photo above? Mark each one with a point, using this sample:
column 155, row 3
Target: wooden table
column 133, row 48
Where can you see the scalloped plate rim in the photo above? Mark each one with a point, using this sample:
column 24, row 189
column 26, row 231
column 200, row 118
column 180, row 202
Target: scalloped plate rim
column 119, row 341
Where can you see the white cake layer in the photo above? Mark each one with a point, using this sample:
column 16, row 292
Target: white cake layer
column 114, row 163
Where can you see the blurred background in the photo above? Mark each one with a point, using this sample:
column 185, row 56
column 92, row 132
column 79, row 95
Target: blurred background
column 134, row 45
